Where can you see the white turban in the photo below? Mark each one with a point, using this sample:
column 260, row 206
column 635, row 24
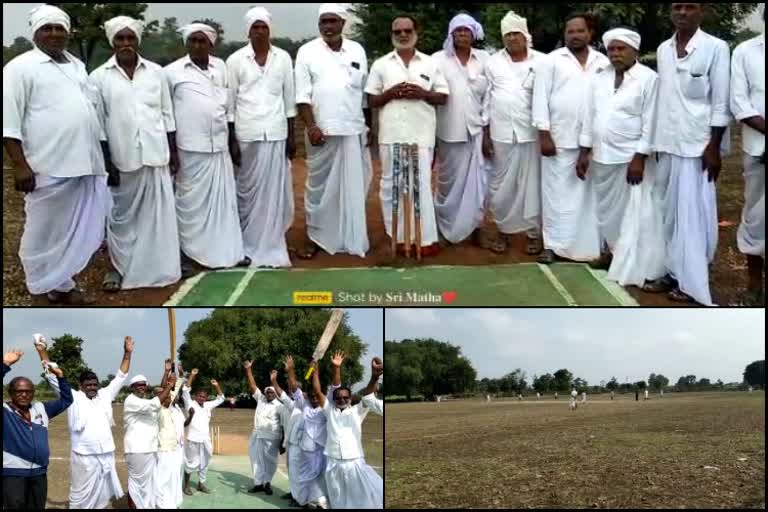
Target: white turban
column 337, row 9
column 48, row 15
column 115, row 25
column 624, row 35
column 462, row 20
column 257, row 14
column 192, row 28
column 136, row 379
column 270, row 387
column 514, row 23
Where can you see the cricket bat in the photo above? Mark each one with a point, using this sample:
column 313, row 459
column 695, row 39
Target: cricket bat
column 325, row 339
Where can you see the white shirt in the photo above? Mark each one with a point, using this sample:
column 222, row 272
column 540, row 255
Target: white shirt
column 463, row 116
column 344, row 430
column 267, row 419
column 407, row 121
column 265, row 98
column 138, row 114
column 693, row 95
column 558, row 94
column 91, row 421
column 168, row 435
column 618, row 123
column 52, row 110
column 509, row 102
column 201, row 104
column 198, row 430
column 748, row 91
column 333, row 83
column 141, row 427
column 376, row 405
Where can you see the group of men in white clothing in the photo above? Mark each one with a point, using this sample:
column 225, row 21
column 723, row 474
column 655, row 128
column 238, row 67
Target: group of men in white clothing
column 167, row 437
column 594, row 158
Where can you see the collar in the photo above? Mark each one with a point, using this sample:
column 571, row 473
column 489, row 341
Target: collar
column 692, row 44
column 395, row 56
column 42, row 57
column 529, row 56
column 591, row 56
column 187, row 61
column 252, row 53
column 112, row 62
column 325, row 45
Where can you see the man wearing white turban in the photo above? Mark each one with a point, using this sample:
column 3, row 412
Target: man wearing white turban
column 206, row 197
column 51, row 132
column 690, row 137
column 262, row 85
column 331, row 72
column 264, row 443
column 142, row 234
column 140, row 416
column 464, row 164
column 569, row 217
column 748, row 106
column 515, row 188
column 616, row 136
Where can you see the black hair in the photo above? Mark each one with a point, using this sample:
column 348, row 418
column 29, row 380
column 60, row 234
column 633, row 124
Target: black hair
column 411, row 17
column 588, row 18
column 87, row 375
column 15, row 381
column 340, row 389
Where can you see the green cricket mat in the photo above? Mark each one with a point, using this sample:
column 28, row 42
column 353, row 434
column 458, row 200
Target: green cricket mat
column 527, row 284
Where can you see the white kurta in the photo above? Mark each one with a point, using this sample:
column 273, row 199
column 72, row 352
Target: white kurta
column 751, row 235
column 515, row 188
column 63, row 229
column 143, row 235
column 265, row 202
column 206, row 207
column 339, row 177
column 428, row 221
column 690, row 223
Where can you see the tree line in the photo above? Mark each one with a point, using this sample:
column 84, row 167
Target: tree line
column 426, row 368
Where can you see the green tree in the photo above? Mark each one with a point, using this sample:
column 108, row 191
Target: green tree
column 88, row 24
column 754, row 374
column 218, row 345
column 20, row 45
column 563, row 380
column 657, row 382
column 544, row 383
column 67, row 351
column 612, row 385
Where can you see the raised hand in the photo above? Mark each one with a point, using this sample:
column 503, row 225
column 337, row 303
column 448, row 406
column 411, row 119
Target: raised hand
column 273, row 375
column 214, row 383
column 338, row 358
column 181, row 370
column 195, row 371
column 12, row 356
column 56, row 371
column 172, row 380
column 377, row 367
column 168, row 365
column 128, row 346
column 247, row 364
column 288, row 363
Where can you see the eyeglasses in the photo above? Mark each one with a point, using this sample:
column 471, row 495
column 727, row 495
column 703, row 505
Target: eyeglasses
column 343, row 398
column 407, row 31
column 23, row 391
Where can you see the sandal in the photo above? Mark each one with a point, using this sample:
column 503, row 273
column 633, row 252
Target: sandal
column 534, row 247
column 310, row 251
column 548, row 257
column 602, row 263
column 246, row 262
column 678, row 296
column 663, row 285
column 498, row 246
column 74, row 297
column 113, row 282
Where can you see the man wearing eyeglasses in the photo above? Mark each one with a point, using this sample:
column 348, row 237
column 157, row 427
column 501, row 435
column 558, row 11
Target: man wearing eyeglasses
column 405, row 86
column 25, row 438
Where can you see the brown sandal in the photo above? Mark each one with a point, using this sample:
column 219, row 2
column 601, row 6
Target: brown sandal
column 309, row 251
column 534, row 247
column 678, row 296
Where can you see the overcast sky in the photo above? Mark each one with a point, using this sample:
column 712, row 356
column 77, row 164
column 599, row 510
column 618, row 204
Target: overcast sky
column 292, row 20
column 594, row 344
column 105, row 329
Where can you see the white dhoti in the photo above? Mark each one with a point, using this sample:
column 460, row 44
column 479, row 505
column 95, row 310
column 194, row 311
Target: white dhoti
column 639, row 253
column 265, row 202
column 141, row 475
column 263, row 454
column 515, row 188
column 306, row 472
column 569, row 212
column 340, row 174
column 690, row 223
column 142, row 232
column 353, row 484
column 64, row 227
column 462, row 188
column 428, row 222
column 611, row 198
column 197, row 457
column 206, row 208
column 93, row 481
column 168, row 480
column 751, row 235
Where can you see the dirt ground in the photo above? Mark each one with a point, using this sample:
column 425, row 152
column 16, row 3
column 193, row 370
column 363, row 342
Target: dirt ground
column 728, row 274
column 695, row 451
column 235, row 427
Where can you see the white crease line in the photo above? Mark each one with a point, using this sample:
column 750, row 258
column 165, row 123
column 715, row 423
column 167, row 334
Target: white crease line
column 617, row 292
column 185, row 289
column 241, row 287
column 558, row 286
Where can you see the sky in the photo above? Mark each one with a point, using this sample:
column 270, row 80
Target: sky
column 105, row 329
column 293, row 20
column 594, row 344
